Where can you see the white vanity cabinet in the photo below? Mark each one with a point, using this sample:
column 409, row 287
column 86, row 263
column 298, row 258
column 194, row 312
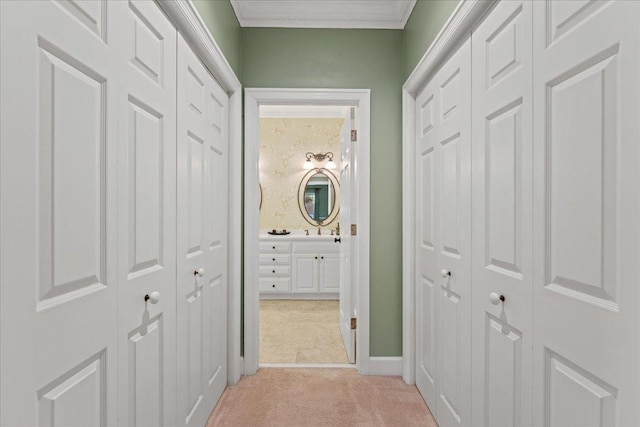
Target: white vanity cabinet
column 299, row 267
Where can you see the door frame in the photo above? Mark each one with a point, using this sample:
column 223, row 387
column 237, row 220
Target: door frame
column 189, row 23
column 254, row 97
column 465, row 17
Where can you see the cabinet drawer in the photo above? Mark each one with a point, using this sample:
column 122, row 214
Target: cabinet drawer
column 275, row 247
column 275, row 271
column 270, row 259
column 274, row 285
column 316, row 247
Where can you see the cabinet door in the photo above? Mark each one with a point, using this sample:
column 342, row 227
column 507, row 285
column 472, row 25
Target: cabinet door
column 329, row 280
column 586, row 298
column 305, row 277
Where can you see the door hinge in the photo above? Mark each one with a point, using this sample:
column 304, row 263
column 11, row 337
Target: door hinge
column 354, row 229
column 354, row 323
column 354, row 135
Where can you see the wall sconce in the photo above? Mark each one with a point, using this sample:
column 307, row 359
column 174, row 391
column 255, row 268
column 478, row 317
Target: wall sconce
column 319, row 158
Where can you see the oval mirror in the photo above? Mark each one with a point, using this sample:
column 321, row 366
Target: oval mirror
column 318, row 197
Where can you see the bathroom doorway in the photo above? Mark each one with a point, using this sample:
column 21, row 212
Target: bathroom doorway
column 302, row 262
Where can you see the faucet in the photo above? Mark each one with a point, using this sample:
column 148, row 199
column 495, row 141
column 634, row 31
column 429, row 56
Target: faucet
column 319, row 231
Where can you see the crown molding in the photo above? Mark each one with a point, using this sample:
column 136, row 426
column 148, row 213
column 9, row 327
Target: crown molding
column 356, row 14
column 458, row 27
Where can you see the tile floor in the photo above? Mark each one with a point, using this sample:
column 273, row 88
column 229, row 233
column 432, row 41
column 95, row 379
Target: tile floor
column 300, row 332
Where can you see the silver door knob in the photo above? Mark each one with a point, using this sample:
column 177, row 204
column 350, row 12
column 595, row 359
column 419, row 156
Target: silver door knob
column 445, row 273
column 496, row 298
column 199, row 272
column 153, row 297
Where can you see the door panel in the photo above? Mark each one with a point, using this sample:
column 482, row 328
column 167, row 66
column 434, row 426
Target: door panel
column 347, row 210
column 427, row 191
column 453, row 151
column 586, row 350
column 146, row 218
column 502, row 203
column 203, row 111
column 58, row 293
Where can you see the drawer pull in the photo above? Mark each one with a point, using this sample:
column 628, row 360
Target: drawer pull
column 273, row 271
column 273, row 247
column 273, row 259
column 273, row 286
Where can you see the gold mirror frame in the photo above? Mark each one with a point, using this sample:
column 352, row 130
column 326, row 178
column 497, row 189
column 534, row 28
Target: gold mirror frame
column 336, row 200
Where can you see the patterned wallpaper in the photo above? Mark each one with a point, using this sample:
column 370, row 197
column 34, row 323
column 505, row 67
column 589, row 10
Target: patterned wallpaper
column 283, row 145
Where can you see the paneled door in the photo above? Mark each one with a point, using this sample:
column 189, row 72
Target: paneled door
column 202, row 216
column 427, row 236
column 347, row 211
column 147, row 218
column 586, row 292
column 502, row 216
column 60, row 63
column 453, row 247
column 443, row 248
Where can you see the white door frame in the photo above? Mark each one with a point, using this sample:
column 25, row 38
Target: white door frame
column 272, row 96
column 456, row 30
column 185, row 17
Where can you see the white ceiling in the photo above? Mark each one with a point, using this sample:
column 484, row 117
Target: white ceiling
column 388, row 14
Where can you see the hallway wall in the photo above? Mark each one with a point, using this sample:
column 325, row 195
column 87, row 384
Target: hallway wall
column 377, row 59
column 424, row 24
column 320, row 58
column 221, row 20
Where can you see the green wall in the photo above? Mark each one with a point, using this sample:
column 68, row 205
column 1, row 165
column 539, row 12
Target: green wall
column 221, row 20
column 424, row 24
column 356, row 59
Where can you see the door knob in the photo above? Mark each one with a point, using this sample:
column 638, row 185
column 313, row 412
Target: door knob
column 445, row 273
column 199, row 272
column 496, row 298
column 337, row 239
column 153, row 297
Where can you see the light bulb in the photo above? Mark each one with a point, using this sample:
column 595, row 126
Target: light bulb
column 308, row 165
column 331, row 164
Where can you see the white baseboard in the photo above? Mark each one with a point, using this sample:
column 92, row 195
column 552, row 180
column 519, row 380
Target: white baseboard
column 385, row 365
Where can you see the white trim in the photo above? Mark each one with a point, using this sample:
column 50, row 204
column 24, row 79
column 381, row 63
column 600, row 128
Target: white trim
column 302, row 112
column 390, row 14
column 385, row 366
column 458, row 27
column 308, row 365
column 360, row 98
column 185, row 17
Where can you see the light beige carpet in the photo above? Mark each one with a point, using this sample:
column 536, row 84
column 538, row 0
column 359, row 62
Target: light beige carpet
column 300, row 332
column 286, row 397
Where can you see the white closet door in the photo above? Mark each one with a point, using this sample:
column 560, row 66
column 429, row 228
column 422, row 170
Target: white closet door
column 427, row 299
column 146, row 219
column 202, row 238
column 502, row 216
column 586, row 292
column 58, row 212
column 453, row 284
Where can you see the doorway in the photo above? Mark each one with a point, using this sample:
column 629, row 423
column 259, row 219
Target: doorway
column 302, row 267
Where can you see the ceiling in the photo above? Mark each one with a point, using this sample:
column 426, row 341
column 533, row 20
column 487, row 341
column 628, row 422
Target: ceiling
column 384, row 14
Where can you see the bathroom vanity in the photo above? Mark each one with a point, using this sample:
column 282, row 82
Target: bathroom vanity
column 298, row 266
